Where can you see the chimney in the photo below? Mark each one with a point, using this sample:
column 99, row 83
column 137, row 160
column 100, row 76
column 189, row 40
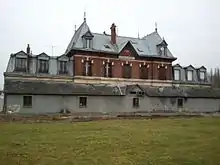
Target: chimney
column 113, row 34
column 28, row 49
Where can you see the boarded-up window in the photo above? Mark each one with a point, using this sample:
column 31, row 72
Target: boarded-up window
column 126, row 71
column 82, row 102
column 20, row 64
column 143, row 72
column 43, row 66
column 180, row 103
column 27, row 101
column 63, row 67
column 162, row 73
column 136, row 102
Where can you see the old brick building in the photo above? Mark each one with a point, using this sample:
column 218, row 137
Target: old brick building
column 109, row 58
column 106, row 73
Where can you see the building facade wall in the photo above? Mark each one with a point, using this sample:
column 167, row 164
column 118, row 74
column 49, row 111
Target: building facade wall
column 111, row 104
column 117, row 68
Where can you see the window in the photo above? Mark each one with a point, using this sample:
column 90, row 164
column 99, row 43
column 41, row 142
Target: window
column 43, row 66
column 189, row 75
column 87, row 68
column 202, row 75
column 180, row 103
column 127, row 71
column 144, row 72
column 108, row 69
column 63, row 67
column 87, row 43
column 136, row 102
column 27, row 101
column 176, row 74
column 162, row 73
column 20, row 64
column 82, row 102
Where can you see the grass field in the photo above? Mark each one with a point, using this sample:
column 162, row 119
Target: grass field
column 194, row 141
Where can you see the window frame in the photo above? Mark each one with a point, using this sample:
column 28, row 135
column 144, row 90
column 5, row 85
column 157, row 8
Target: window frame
column 18, row 64
column 161, row 70
column 203, row 79
column 135, row 102
column 124, row 71
column 40, row 68
column 61, row 68
column 27, row 98
column 177, row 70
column 89, row 71
column 83, row 102
column 180, row 103
column 109, row 74
column 189, row 71
column 144, row 72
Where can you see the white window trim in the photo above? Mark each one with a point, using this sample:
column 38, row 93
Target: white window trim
column 176, row 77
column 189, row 71
column 202, row 77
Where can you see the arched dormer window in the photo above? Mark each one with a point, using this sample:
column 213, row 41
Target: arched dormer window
column 87, row 39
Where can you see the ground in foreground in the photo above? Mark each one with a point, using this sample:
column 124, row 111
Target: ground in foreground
column 140, row 142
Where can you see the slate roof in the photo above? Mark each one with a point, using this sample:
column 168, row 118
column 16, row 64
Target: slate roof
column 186, row 92
column 146, row 46
column 55, row 88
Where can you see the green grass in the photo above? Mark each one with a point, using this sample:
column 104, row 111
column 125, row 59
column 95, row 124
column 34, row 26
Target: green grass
column 194, row 141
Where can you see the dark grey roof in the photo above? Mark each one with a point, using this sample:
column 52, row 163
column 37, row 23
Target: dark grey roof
column 189, row 92
column 55, row 88
column 146, row 46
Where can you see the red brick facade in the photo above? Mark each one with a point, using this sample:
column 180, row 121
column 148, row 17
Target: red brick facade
column 117, row 67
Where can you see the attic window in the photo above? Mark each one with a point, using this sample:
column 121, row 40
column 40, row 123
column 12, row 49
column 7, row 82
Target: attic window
column 106, row 46
column 202, row 75
column 139, row 50
column 87, row 43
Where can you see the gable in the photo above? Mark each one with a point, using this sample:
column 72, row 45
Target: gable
column 190, row 67
column 177, row 66
column 63, row 58
column 43, row 56
column 202, row 68
column 20, row 54
column 88, row 35
column 128, row 51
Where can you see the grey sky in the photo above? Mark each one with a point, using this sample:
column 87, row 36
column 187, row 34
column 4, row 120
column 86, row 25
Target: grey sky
column 190, row 27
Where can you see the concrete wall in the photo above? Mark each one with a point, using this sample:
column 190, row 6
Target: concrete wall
column 101, row 104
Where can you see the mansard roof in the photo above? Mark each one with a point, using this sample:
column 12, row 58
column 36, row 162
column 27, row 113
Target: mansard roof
column 145, row 47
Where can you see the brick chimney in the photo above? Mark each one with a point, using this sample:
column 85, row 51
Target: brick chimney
column 113, row 34
column 28, row 50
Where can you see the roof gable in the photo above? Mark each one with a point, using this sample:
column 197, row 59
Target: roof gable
column 63, row 58
column 190, row 67
column 127, row 50
column 20, row 54
column 43, row 56
column 88, row 34
column 177, row 66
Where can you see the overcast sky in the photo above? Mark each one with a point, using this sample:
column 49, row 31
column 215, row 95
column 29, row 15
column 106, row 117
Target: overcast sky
column 190, row 27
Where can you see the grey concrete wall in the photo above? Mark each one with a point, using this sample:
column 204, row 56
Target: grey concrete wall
column 101, row 104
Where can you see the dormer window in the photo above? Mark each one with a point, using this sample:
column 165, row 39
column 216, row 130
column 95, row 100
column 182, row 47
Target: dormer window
column 20, row 64
column 43, row 66
column 177, row 74
column 87, row 43
column 162, row 48
column 63, row 67
column 190, row 75
column 87, row 39
column 202, row 75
